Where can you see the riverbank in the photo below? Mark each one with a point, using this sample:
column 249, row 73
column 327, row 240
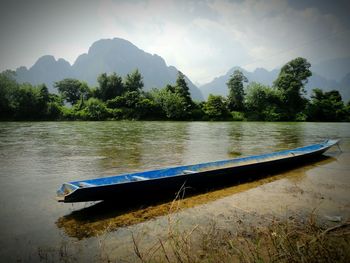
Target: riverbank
column 304, row 220
column 296, row 239
column 270, row 219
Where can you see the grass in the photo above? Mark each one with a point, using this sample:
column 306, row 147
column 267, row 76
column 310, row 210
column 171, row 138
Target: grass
column 291, row 240
column 101, row 218
column 294, row 239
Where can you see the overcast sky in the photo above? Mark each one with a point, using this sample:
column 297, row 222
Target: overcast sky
column 203, row 39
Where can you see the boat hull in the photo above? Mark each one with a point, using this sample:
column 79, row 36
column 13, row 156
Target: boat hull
column 169, row 186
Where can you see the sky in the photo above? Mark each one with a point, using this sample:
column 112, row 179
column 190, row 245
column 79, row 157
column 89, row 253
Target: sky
column 203, row 39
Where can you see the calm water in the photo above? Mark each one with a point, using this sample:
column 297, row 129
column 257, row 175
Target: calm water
column 36, row 157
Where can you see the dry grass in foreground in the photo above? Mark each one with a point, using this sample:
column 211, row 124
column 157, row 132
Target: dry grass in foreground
column 289, row 240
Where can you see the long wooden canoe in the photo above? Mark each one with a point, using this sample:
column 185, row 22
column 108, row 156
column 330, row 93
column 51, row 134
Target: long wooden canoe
column 170, row 180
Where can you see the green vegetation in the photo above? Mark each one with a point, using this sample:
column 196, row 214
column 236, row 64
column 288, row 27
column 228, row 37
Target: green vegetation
column 327, row 106
column 290, row 82
column 216, row 108
column 116, row 98
column 72, row 90
column 236, row 91
column 263, row 103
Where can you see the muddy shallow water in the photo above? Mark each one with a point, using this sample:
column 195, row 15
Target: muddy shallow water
column 37, row 157
column 322, row 189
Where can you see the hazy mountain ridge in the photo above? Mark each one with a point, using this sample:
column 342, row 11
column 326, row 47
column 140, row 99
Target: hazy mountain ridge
column 105, row 55
column 261, row 75
column 218, row 85
column 121, row 56
column 346, row 84
column 333, row 69
column 42, row 71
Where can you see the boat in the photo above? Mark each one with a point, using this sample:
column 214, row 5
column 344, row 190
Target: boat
column 169, row 180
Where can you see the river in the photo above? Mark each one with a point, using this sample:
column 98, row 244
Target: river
column 37, row 157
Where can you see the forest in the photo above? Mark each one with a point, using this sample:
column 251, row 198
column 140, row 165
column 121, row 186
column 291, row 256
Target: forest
column 117, row 98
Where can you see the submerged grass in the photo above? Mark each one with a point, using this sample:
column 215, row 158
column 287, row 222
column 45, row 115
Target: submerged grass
column 296, row 238
column 290, row 240
column 293, row 239
column 96, row 220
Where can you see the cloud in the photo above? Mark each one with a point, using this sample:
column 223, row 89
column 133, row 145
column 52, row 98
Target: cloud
column 187, row 34
column 203, row 39
column 273, row 32
column 206, row 38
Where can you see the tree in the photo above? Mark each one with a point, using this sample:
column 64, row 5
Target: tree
column 326, row 106
column 183, row 90
column 291, row 81
column 94, row 110
column 262, row 102
column 30, row 102
column 148, row 109
column 72, row 90
column 24, row 102
column 43, row 98
column 172, row 104
column 109, row 86
column 8, row 88
column 133, row 82
column 215, row 108
column 236, row 91
column 54, row 107
column 128, row 99
column 170, row 88
column 181, row 96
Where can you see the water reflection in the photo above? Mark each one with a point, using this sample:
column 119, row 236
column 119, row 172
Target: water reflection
column 289, row 135
column 164, row 144
column 120, row 147
column 235, row 134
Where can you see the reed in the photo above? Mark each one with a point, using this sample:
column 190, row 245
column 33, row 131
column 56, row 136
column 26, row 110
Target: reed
column 294, row 239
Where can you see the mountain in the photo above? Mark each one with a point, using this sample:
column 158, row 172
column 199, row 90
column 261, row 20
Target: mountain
column 46, row 70
column 333, row 69
column 261, row 75
column 106, row 55
column 345, row 84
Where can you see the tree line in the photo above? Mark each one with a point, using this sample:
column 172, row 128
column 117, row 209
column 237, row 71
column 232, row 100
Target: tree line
column 117, row 98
